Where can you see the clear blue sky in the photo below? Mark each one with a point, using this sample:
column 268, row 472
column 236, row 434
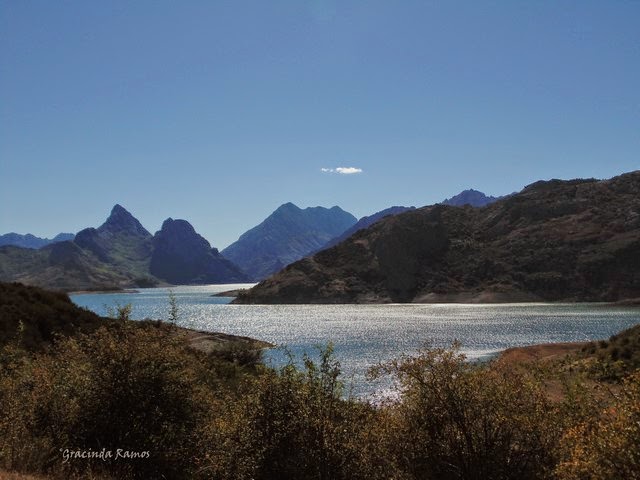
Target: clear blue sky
column 219, row 111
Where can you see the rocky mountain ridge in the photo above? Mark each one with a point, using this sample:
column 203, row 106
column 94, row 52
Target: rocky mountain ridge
column 31, row 241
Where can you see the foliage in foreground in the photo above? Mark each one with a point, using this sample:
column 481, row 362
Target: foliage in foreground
column 203, row 416
column 456, row 420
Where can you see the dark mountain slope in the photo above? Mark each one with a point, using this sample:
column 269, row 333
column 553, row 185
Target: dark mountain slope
column 556, row 240
column 181, row 256
column 32, row 316
column 287, row 235
column 366, row 222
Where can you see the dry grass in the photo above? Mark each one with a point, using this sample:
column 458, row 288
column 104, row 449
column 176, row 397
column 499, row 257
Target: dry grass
column 541, row 353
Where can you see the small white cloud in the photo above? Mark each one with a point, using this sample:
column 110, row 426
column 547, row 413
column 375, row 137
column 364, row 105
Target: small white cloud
column 348, row 170
column 342, row 170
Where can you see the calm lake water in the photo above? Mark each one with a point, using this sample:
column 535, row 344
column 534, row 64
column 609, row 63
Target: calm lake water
column 364, row 335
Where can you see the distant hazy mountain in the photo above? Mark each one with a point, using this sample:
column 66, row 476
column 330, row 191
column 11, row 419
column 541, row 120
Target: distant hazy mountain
column 470, row 197
column 287, row 235
column 181, row 256
column 576, row 240
column 31, row 241
column 118, row 254
column 365, row 222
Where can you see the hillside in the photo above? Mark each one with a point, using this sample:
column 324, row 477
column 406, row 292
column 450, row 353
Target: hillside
column 575, row 240
column 63, row 266
column 288, row 234
column 466, row 197
column 365, row 222
column 32, row 316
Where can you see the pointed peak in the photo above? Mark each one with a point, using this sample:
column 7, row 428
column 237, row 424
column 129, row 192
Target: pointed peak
column 119, row 209
column 287, row 206
column 118, row 213
column 121, row 220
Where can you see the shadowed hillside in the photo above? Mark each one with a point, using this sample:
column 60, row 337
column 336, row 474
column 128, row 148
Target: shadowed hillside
column 32, row 316
column 365, row 222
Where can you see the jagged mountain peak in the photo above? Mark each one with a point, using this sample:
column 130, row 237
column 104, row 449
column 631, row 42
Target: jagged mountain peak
column 120, row 220
column 179, row 234
column 182, row 256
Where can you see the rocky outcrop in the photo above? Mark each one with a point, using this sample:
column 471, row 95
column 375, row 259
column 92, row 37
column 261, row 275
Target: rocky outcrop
column 573, row 240
column 288, row 234
column 181, row 256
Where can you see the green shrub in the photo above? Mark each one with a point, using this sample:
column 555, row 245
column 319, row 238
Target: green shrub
column 292, row 424
column 126, row 388
column 456, row 420
column 606, row 446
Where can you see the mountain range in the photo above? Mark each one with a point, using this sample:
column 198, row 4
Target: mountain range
column 576, row 240
column 120, row 253
column 31, row 241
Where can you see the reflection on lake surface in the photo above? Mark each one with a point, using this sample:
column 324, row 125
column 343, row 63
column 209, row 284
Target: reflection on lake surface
column 364, row 335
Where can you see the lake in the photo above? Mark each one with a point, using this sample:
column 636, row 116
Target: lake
column 364, row 335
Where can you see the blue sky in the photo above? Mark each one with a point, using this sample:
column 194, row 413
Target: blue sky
column 219, row 111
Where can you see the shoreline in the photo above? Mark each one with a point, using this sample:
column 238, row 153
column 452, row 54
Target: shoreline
column 430, row 299
column 211, row 341
column 102, row 292
column 229, row 293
